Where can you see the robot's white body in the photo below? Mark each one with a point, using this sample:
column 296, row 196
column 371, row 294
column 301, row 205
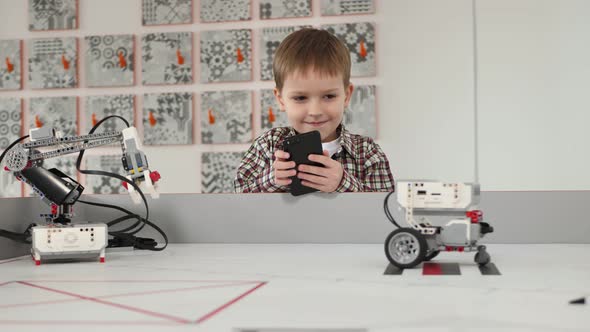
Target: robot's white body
column 59, row 239
column 77, row 241
column 422, row 200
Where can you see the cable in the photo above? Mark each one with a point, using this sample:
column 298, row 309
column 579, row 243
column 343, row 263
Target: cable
column 125, row 236
column 387, row 212
column 129, row 215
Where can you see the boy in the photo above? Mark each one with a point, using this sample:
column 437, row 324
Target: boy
column 312, row 72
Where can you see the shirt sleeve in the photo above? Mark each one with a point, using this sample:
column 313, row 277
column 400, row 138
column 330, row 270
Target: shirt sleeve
column 255, row 173
column 377, row 174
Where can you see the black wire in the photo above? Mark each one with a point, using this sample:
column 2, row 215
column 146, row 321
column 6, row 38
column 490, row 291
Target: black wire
column 128, row 216
column 387, row 212
column 126, row 233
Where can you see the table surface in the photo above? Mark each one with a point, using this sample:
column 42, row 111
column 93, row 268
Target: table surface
column 234, row 287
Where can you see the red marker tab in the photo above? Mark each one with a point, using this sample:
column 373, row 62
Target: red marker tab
column 122, row 61
column 38, row 122
column 211, row 117
column 362, row 49
column 9, row 65
column 179, row 57
column 240, row 56
column 271, row 115
column 152, row 119
column 65, row 62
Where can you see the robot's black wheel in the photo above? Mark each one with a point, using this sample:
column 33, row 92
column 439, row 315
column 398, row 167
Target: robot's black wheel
column 482, row 257
column 405, row 248
column 431, row 255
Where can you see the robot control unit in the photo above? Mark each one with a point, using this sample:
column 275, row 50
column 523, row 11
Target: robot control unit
column 421, row 201
column 58, row 238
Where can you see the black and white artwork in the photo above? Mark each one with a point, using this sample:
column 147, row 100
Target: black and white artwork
column 9, row 185
column 167, row 58
column 168, row 119
column 60, row 113
column 226, row 55
column 360, row 117
column 284, row 8
column 218, row 170
column 53, row 63
column 360, row 40
column 226, row 117
column 103, row 184
column 110, row 60
column 10, row 65
column 47, row 15
column 271, row 38
column 346, row 7
column 225, row 10
column 10, row 121
column 270, row 114
column 163, row 12
column 99, row 107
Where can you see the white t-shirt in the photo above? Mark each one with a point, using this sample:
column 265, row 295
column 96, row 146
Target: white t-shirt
column 332, row 146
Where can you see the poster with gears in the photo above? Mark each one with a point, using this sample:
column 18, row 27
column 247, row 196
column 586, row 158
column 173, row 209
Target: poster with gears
column 225, row 10
column 168, row 119
column 226, row 55
column 167, row 58
column 360, row 117
column 270, row 114
column 96, row 184
column 99, row 107
column 10, row 131
column 270, row 9
column 226, row 117
column 53, row 63
column 218, row 170
column 164, row 12
column 60, row 113
column 10, row 65
column 9, row 185
column 10, row 121
column 271, row 38
column 360, row 40
column 109, row 60
column 346, row 7
column 45, row 15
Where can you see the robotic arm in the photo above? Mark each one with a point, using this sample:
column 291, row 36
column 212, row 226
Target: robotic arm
column 60, row 191
column 60, row 239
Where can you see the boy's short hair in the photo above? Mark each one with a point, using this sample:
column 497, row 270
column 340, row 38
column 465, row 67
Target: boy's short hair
column 311, row 48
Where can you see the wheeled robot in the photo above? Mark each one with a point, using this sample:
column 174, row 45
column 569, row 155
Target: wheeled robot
column 421, row 201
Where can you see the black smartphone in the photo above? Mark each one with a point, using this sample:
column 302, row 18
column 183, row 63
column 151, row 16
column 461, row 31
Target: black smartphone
column 299, row 148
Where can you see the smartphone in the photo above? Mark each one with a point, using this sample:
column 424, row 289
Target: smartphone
column 299, row 148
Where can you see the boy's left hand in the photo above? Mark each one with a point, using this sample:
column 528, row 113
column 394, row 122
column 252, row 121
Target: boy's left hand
column 327, row 178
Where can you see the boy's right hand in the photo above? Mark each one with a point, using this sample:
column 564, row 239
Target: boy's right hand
column 283, row 169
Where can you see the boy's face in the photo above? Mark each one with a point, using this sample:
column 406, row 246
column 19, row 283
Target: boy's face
column 314, row 102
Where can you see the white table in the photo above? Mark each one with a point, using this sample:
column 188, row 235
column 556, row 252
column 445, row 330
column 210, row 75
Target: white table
column 225, row 287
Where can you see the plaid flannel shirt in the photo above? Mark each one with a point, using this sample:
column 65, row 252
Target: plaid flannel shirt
column 365, row 166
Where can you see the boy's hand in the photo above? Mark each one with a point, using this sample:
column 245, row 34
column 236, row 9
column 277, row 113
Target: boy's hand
column 283, row 169
column 327, row 178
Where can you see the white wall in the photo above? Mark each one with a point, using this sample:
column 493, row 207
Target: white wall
column 534, row 85
column 533, row 74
